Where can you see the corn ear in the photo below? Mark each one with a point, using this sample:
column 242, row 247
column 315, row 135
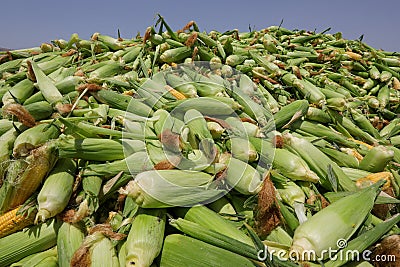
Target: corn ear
column 376, row 159
column 180, row 250
column 89, row 148
column 21, row 184
column 46, row 86
column 46, row 258
column 213, row 237
column 318, row 162
column 69, row 239
column 345, row 216
column 166, row 188
column 34, row 137
column 209, row 219
column 145, row 238
column 24, row 243
column 292, row 166
column 56, row 190
column 13, row 221
column 241, row 176
column 373, row 178
column 363, row 241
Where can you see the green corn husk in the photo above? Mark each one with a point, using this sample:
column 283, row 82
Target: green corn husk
column 69, row 239
column 29, row 241
column 209, row 219
column 20, row 92
column 364, row 123
column 342, row 159
column 6, row 125
column 376, row 159
column 34, row 137
column 363, row 241
column 355, row 174
column 242, row 149
column 180, row 250
column 292, row 166
column 294, row 196
column 41, row 259
column 46, row 86
column 320, row 130
column 344, row 216
column 123, row 102
column 56, row 190
column 96, row 250
column 6, row 144
column 145, row 238
column 213, row 237
column 210, row 106
column 241, row 176
column 176, row 54
column 318, row 162
column 289, row 113
column 89, row 148
column 174, row 188
column 134, row 163
column 40, row 110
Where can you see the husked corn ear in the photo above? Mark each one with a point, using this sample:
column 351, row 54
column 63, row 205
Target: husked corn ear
column 180, row 250
column 56, row 190
column 69, row 239
column 344, row 217
column 145, row 238
column 19, row 185
column 13, row 221
column 24, row 243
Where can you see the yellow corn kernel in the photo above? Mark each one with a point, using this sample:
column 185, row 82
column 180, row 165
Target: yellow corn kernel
column 175, row 93
column 373, row 178
column 11, row 222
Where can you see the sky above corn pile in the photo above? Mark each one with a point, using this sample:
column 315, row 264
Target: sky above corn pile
column 25, row 24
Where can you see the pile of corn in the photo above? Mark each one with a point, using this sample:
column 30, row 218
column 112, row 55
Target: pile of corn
column 186, row 148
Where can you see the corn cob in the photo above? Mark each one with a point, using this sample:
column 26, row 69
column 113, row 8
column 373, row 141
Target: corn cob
column 20, row 184
column 363, row 241
column 14, row 221
column 145, row 238
column 241, row 176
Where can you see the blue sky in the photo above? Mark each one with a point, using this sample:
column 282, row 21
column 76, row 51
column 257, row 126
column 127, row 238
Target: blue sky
column 28, row 23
